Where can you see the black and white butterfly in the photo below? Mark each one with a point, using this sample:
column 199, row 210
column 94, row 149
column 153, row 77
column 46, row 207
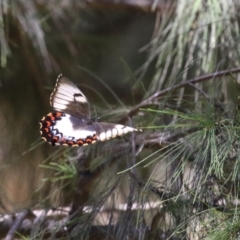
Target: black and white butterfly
column 71, row 124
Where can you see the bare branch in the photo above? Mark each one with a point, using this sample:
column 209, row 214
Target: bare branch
column 16, row 225
column 156, row 95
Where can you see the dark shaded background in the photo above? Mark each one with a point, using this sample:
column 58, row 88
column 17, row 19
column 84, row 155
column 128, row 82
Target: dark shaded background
column 82, row 43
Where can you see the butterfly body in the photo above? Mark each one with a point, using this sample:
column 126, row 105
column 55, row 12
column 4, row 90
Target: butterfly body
column 71, row 124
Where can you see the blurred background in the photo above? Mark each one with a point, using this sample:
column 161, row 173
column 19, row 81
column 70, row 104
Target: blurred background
column 168, row 67
column 97, row 47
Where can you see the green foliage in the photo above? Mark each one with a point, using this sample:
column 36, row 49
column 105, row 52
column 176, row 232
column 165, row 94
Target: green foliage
column 61, row 171
column 187, row 159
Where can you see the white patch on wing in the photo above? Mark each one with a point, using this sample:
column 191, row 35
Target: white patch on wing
column 65, row 127
column 114, row 132
column 59, row 107
column 64, row 92
column 101, row 136
column 60, row 99
column 108, row 134
column 80, row 99
column 117, row 130
column 67, row 87
column 61, row 93
column 69, row 90
column 124, row 129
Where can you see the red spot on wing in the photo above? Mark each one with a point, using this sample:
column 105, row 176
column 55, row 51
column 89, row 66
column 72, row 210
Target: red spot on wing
column 88, row 140
column 80, row 142
column 59, row 114
column 48, row 123
column 56, row 138
column 53, row 136
column 46, row 130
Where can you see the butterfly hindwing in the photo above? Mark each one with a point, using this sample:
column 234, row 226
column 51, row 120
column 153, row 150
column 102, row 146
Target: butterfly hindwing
column 106, row 131
column 63, row 129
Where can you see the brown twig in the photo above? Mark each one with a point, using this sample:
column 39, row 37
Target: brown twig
column 156, row 95
column 16, row 225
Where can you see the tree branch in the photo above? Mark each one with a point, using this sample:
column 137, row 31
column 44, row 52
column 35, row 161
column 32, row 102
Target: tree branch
column 156, row 95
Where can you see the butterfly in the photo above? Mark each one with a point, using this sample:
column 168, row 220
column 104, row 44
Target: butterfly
column 71, row 123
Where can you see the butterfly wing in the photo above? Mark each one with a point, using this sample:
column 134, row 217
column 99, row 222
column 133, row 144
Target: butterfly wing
column 63, row 129
column 71, row 125
column 106, row 131
column 59, row 128
column 67, row 98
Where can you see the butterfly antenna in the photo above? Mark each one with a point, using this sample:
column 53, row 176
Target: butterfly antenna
column 110, row 110
column 97, row 119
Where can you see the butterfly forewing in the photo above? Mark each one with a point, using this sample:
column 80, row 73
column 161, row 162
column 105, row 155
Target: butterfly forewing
column 71, row 125
column 66, row 97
